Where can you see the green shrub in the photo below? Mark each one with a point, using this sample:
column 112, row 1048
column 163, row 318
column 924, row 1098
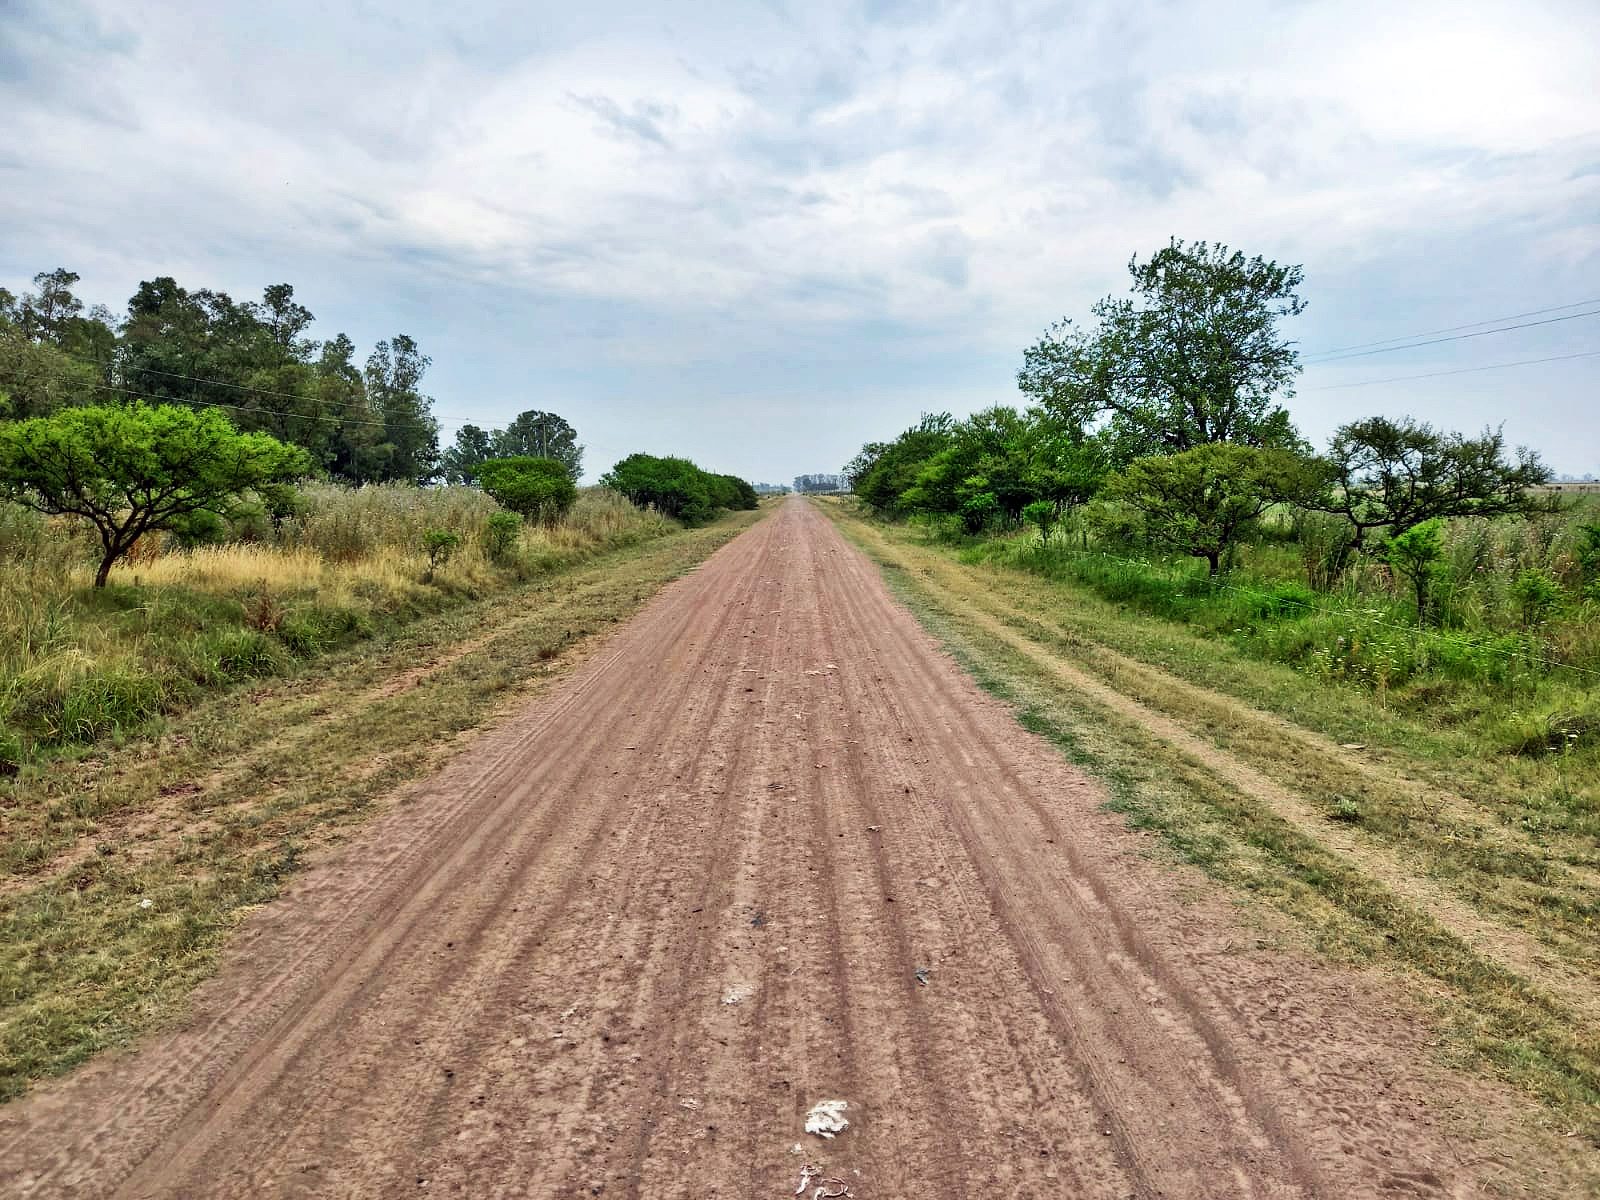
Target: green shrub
column 500, row 534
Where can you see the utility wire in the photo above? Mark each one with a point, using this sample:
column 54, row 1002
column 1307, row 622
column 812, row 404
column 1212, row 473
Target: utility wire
column 106, row 387
column 1538, row 312
column 1523, row 362
column 1456, row 338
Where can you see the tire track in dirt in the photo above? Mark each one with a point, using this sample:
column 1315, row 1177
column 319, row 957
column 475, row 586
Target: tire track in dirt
column 622, row 947
column 1493, row 941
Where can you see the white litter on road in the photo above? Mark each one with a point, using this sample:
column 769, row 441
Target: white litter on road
column 827, row 1118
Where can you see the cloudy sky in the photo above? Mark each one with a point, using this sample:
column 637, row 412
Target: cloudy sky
column 762, row 233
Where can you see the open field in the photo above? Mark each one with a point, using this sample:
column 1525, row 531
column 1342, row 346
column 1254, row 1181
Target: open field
column 770, row 846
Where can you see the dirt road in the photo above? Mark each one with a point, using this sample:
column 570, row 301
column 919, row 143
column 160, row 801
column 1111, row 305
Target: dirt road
column 768, row 847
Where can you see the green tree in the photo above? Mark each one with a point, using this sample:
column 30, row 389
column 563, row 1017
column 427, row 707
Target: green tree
column 410, row 447
column 1195, row 357
column 883, row 472
column 538, row 489
column 677, row 488
column 1415, row 553
column 1385, row 474
column 1043, row 514
column 1201, row 501
column 536, row 434
column 136, row 468
column 36, row 378
column 473, row 447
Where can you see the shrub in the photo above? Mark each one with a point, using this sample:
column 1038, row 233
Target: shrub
column 500, row 534
column 440, row 545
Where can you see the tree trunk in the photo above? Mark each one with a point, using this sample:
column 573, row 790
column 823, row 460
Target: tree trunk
column 1212, row 557
column 104, row 572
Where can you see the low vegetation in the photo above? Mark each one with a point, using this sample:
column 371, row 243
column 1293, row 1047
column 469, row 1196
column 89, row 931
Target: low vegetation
column 223, row 600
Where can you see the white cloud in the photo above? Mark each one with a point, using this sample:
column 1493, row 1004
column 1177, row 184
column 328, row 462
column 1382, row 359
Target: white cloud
column 730, row 177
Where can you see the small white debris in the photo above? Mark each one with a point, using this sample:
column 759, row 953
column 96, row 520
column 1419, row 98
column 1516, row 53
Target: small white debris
column 738, row 993
column 827, row 1118
column 147, row 903
column 690, row 1103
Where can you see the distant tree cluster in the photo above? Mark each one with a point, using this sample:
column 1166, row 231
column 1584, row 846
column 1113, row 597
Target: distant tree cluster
column 1166, row 415
column 532, row 435
column 678, row 488
column 772, row 489
column 251, row 360
column 819, row 483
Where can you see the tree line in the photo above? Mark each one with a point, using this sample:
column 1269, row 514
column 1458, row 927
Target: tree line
column 193, row 407
column 361, row 422
column 1167, row 414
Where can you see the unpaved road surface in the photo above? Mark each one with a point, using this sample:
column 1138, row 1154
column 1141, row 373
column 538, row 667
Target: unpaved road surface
column 767, row 847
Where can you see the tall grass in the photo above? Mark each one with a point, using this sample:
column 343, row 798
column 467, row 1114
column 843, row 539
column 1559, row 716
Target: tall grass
column 1511, row 648
column 78, row 664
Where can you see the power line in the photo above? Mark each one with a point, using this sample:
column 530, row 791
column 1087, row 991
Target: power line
column 1524, row 362
column 1456, row 338
column 1538, row 312
column 106, row 387
column 254, row 391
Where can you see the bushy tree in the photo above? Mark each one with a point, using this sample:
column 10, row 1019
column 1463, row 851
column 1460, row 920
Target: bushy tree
column 1415, row 554
column 537, row 434
column 678, row 488
column 537, row 489
column 883, row 471
column 531, row 435
column 1201, row 501
column 132, row 469
column 1194, row 357
column 1385, row 474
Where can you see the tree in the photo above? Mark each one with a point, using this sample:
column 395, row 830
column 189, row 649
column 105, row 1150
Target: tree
column 1416, row 554
column 536, row 434
column 1385, row 474
column 1199, row 502
column 1195, row 358
column 473, row 447
column 883, row 471
column 136, row 468
column 677, row 488
column 1043, row 514
column 410, row 447
column 537, row 489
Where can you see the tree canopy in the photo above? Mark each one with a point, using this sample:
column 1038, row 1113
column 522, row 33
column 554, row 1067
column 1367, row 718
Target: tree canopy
column 531, row 434
column 678, row 488
column 1201, row 501
column 537, row 489
column 130, row 469
column 252, row 360
column 1195, row 356
column 1395, row 474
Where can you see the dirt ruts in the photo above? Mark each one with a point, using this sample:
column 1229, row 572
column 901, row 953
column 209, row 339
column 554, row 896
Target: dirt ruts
column 768, row 847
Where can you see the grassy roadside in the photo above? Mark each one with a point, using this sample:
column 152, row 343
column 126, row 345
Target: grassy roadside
column 128, row 869
column 1391, row 843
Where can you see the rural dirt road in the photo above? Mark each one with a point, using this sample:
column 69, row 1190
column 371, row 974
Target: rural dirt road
column 767, row 847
